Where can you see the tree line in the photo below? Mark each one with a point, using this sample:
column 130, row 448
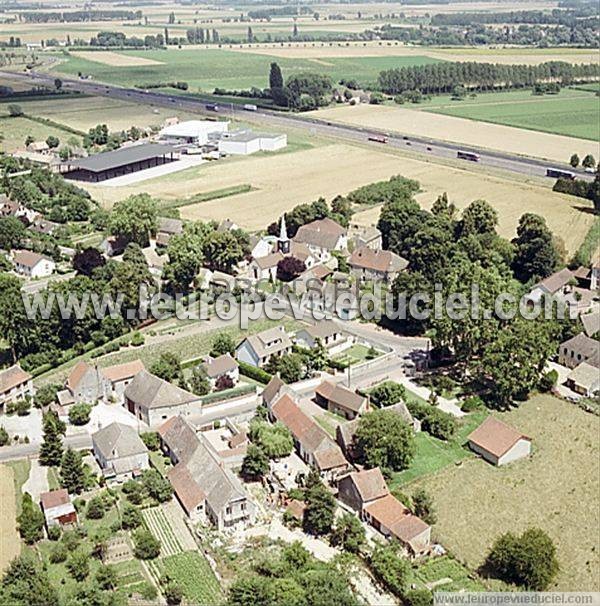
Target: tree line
column 78, row 16
column 443, row 77
column 585, row 16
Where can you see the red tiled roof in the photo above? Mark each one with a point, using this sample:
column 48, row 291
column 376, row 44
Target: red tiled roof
column 11, row 377
column 54, row 498
column 496, row 437
column 119, row 372
column 387, row 511
column 185, row 487
column 370, row 484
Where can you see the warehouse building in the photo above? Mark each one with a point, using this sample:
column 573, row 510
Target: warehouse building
column 193, row 132
column 126, row 160
column 247, row 142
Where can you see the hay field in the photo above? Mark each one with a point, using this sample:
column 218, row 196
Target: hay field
column 284, row 180
column 10, row 544
column 556, row 489
column 460, row 130
column 115, row 59
column 15, row 130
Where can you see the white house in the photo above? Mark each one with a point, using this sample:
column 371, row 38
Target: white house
column 153, row 400
column 33, row 265
column 193, row 132
column 119, row 451
column 322, row 237
column 499, row 443
column 222, row 366
column 206, row 489
column 369, row 264
column 15, row 384
column 328, row 333
column 257, row 349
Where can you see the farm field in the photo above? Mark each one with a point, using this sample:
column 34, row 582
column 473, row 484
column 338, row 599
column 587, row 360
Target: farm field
column 556, row 489
column 391, row 48
column 204, row 69
column 464, row 131
column 10, row 544
column 83, row 113
column 573, row 113
column 308, row 176
column 15, row 130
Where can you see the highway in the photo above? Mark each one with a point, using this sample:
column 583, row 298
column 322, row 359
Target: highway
column 273, row 119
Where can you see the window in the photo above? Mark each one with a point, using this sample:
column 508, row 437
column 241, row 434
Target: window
column 228, row 511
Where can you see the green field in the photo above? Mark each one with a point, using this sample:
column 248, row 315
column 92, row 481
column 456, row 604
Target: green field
column 206, row 69
column 574, row 113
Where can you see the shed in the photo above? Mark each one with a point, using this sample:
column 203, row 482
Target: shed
column 499, row 443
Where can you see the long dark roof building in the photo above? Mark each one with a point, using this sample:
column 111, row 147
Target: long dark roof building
column 107, row 165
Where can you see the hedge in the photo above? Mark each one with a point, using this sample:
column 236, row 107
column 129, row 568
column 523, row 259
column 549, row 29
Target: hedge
column 258, row 374
column 227, row 394
column 434, row 421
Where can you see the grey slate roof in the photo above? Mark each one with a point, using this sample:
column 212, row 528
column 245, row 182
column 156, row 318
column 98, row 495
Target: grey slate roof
column 118, row 440
column 149, row 391
column 120, row 157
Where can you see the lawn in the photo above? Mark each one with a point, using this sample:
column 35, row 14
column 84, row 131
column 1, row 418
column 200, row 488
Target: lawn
column 555, row 489
column 192, row 572
column 433, row 455
column 21, row 469
column 446, row 574
column 572, row 112
column 355, row 354
column 206, row 69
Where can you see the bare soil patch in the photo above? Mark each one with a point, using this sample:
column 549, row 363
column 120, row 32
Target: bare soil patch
column 10, row 544
column 115, row 59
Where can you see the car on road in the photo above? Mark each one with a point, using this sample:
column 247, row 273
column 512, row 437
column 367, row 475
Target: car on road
column 428, row 148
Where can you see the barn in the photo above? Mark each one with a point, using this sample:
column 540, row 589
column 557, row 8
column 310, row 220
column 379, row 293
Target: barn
column 498, row 443
column 193, row 132
column 108, row 165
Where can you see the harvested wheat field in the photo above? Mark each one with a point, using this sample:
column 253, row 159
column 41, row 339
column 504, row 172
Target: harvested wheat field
column 460, row 130
column 10, row 544
column 284, row 180
column 324, row 50
column 115, row 59
column 555, row 489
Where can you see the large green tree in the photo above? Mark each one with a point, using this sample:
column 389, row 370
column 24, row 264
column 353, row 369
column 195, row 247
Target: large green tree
column 12, row 232
column 51, row 449
column 72, row 475
column 348, row 533
column 320, row 510
column 391, row 568
column 30, row 520
column 134, row 218
column 536, row 255
column 26, row 583
column 528, row 560
column 383, row 439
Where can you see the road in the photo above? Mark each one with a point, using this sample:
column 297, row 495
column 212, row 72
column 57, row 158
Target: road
column 81, row 441
column 315, row 126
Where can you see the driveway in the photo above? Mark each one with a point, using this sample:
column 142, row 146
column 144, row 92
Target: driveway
column 37, row 482
column 29, row 425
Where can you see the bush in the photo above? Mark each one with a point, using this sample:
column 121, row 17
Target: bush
column 146, row 546
column 258, row 374
column 418, row 597
column 58, row 553
column 151, row 440
column 95, row 508
column 434, row 421
column 4, row 437
column 548, row 380
column 79, row 414
column 54, row 533
column 137, row 339
column 472, row 403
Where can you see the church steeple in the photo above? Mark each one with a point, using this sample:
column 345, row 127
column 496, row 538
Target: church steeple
column 283, row 242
